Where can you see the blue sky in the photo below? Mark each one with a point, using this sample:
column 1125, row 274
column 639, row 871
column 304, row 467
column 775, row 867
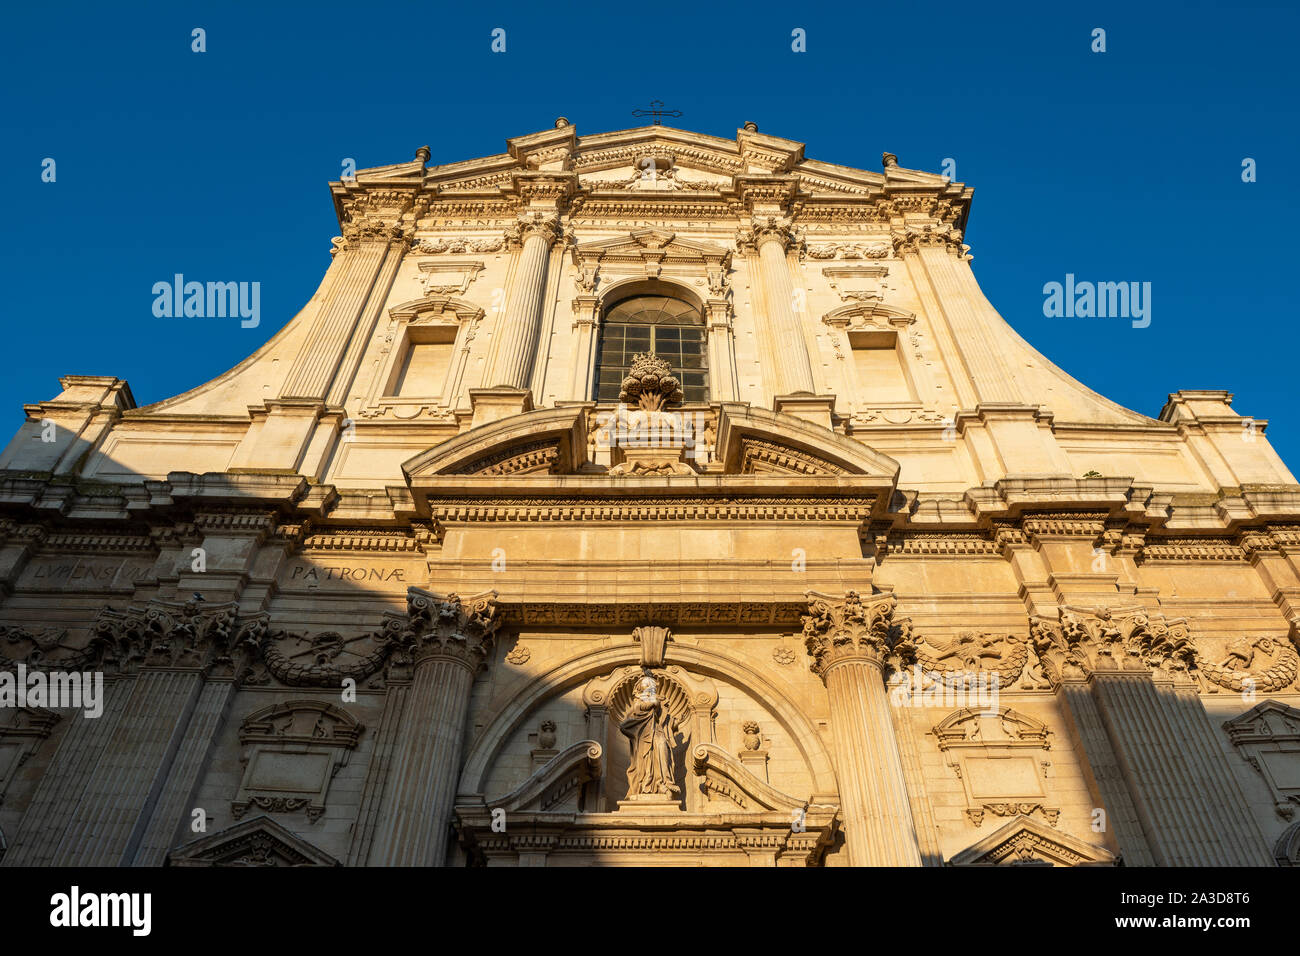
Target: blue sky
column 1116, row 166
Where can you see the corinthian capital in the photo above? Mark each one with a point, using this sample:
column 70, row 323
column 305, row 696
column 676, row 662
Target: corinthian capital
column 531, row 224
column 168, row 634
column 850, row 628
column 1084, row 641
column 912, row 237
column 447, row 627
column 763, row 229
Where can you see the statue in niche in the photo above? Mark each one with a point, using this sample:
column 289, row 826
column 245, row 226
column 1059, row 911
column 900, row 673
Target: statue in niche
column 649, row 729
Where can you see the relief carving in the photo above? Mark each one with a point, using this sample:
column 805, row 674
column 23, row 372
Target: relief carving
column 1264, row 664
column 971, row 653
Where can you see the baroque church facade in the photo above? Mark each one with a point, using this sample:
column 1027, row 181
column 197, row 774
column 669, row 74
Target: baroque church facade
column 648, row 497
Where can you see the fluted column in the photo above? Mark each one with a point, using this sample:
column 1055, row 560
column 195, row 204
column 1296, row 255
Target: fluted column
column 848, row 641
column 448, row 640
column 771, row 236
column 521, row 325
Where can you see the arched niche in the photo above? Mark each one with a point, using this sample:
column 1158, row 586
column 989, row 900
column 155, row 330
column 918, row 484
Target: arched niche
column 698, row 665
column 691, row 700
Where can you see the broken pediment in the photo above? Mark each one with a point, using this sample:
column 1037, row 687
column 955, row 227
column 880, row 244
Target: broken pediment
column 554, row 441
column 1025, row 841
column 656, row 247
column 555, row 787
column 1267, row 721
column 1268, row 738
column 756, row 441
column 546, row 441
column 723, row 777
column 256, row 842
column 1004, row 727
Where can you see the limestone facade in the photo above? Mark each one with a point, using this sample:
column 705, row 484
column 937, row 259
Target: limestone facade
column 649, row 446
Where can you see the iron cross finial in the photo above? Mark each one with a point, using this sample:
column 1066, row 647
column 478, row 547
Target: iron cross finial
column 657, row 111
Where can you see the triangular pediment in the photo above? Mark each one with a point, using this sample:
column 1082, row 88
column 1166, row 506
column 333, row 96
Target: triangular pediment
column 662, row 244
column 1267, row 720
column 648, row 158
column 1025, row 841
column 256, row 842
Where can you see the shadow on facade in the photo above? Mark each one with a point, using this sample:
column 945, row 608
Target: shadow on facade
column 263, row 698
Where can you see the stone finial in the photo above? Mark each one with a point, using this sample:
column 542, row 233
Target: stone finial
column 751, row 127
column 650, row 383
column 888, row 159
column 423, row 154
column 561, row 122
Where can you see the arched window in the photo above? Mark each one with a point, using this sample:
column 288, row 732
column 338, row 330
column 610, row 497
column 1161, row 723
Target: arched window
column 671, row 328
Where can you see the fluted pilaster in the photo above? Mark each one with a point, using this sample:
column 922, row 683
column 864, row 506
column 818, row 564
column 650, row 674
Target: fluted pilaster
column 1108, row 777
column 1139, row 667
column 54, row 806
column 119, row 791
column 351, row 278
column 171, row 814
column 980, row 348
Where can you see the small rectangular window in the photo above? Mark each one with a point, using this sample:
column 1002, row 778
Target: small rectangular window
column 426, row 363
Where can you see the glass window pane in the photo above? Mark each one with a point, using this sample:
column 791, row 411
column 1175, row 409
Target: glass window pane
column 670, row 328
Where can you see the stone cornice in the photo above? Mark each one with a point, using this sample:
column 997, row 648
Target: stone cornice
column 599, row 506
column 631, row 613
column 1233, row 524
